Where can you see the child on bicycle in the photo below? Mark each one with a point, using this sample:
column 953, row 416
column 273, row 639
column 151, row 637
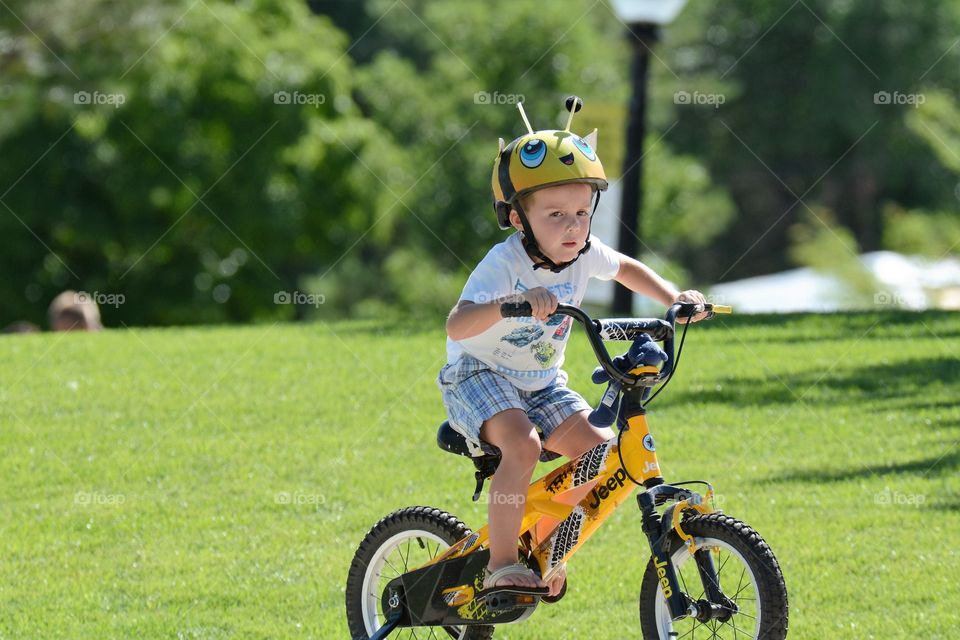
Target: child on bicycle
column 502, row 382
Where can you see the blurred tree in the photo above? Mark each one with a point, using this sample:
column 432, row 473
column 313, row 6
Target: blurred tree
column 196, row 157
column 815, row 96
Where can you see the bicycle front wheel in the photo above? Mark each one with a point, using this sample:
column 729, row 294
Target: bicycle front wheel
column 749, row 576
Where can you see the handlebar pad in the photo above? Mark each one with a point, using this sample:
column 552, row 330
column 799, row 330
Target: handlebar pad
column 631, row 328
column 516, row 310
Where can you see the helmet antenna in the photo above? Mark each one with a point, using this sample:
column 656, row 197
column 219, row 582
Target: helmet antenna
column 524, row 116
column 574, row 104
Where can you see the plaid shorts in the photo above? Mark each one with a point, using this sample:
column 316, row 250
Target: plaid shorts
column 473, row 393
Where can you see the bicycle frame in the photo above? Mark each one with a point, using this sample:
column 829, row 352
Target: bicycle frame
column 606, row 468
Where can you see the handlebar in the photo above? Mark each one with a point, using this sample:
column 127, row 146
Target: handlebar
column 625, row 329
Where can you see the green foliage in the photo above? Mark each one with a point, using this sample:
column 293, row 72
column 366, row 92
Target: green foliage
column 204, row 192
column 937, row 121
column 820, row 243
column 918, row 232
column 187, row 183
column 800, row 117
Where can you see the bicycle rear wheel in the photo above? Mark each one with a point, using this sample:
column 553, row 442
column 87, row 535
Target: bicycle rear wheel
column 404, row 540
column 749, row 576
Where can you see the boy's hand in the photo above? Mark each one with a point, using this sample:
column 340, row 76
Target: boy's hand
column 691, row 295
column 542, row 301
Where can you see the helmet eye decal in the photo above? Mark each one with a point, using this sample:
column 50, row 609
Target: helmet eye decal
column 533, row 153
column 584, row 147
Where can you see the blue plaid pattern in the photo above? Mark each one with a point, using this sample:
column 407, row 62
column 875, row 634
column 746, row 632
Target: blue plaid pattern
column 473, row 393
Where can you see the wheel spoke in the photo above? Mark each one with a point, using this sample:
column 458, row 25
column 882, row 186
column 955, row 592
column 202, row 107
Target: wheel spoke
column 692, row 629
column 735, row 629
column 387, row 560
column 743, row 572
column 740, row 590
column 722, row 564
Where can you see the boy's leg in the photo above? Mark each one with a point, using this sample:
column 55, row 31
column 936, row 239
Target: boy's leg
column 576, row 435
column 519, row 445
column 573, row 438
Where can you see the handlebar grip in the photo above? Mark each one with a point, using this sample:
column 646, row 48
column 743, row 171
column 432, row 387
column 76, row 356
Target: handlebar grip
column 516, row 310
column 721, row 308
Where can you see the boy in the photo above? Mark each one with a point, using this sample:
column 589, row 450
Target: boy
column 503, row 383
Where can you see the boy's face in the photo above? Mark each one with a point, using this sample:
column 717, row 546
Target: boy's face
column 560, row 219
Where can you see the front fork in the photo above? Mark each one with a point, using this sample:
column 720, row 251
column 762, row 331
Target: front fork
column 657, row 529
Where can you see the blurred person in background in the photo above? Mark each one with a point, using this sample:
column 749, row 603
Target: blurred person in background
column 73, row 311
column 21, row 326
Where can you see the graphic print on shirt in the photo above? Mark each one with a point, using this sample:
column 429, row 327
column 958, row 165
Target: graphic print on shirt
column 522, row 336
column 544, row 352
column 563, row 329
column 555, row 319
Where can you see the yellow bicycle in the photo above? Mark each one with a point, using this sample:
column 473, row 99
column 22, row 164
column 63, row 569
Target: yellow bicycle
column 419, row 571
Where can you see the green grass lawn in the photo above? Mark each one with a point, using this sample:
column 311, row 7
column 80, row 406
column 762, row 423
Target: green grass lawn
column 213, row 483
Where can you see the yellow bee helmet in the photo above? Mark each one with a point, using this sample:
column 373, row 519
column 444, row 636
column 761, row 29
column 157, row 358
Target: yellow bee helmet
column 543, row 159
column 540, row 159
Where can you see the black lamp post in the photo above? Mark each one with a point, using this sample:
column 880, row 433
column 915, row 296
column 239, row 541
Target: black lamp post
column 643, row 19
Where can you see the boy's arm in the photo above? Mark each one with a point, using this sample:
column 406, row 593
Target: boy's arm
column 640, row 278
column 469, row 319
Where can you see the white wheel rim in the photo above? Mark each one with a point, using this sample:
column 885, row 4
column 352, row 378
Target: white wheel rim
column 747, row 581
column 373, row 617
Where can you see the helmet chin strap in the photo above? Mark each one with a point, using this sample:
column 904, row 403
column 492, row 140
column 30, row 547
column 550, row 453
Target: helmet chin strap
column 533, row 248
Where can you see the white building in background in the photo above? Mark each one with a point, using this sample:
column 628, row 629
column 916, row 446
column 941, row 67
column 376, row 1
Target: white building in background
column 903, row 281
column 909, row 282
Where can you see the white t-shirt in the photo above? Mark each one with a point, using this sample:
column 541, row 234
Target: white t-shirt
column 528, row 352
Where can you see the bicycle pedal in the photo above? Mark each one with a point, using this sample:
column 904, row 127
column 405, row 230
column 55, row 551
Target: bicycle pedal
column 506, row 598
